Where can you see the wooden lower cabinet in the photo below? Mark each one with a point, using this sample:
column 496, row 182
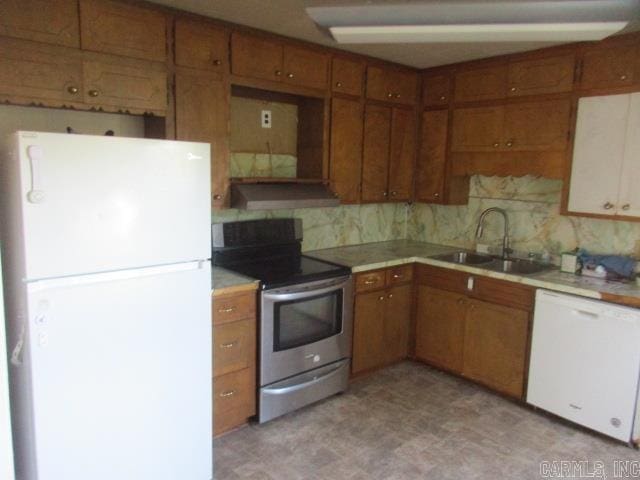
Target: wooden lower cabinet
column 397, row 322
column 495, row 346
column 368, row 332
column 440, row 327
column 234, row 360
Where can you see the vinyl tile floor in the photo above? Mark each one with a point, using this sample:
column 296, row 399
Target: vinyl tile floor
column 410, row 421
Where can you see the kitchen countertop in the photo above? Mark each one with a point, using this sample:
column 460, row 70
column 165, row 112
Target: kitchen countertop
column 225, row 282
column 373, row 256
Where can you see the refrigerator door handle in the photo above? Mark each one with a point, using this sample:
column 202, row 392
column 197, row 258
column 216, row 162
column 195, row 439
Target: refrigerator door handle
column 36, row 193
column 16, row 353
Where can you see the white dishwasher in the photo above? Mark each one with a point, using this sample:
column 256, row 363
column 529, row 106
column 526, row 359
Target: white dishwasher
column 585, row 362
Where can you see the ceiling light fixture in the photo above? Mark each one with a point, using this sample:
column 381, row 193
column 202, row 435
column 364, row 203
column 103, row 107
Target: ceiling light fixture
column 451, row 21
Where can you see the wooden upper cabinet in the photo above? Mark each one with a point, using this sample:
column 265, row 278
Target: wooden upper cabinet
column 202, row 115
column 537, row 126
column 390, row 85
column 48, row 21
column 201, row 45
column 484, row 83
column 495, row 346
column 611, row 66
column 402, row 154
column 305, row 67
column 478, row 129
column 431, row 163
column 38, row 73
column 122, row 29
column 256, row 57
column 540, row 76
column 347, row 76
column 375, row 155
column 345, row 160
column 440, row 327
column 436, row 90
column 125, row 86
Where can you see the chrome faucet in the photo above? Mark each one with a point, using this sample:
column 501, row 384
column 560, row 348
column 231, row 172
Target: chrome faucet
column 505, row 240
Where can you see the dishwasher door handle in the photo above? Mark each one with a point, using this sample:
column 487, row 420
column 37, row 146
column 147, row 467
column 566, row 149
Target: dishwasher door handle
column 586, row 313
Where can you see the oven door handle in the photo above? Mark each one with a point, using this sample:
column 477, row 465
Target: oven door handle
column 288, row 295
column 300, row 386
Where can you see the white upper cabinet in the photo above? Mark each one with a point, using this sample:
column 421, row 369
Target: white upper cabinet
column 606, row 156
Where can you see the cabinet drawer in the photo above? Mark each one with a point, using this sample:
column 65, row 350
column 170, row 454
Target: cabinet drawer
column 234, row 346
column 122, row 29
column 504, row 293
column 234, row 399
column 399, row 275
column 443, row 278
column 229, row 308
column 370, row 281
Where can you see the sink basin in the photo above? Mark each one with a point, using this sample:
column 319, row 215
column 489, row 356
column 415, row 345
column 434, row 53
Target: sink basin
column 518, row 266
column 466, row 258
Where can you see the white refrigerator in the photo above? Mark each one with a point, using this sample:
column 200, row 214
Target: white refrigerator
column 106, row 248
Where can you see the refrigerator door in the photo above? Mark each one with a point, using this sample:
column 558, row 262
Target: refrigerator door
column 6, row 446
column 121, row 375
column 93, row 204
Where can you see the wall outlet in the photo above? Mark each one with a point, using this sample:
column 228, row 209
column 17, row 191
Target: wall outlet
column 266, row 118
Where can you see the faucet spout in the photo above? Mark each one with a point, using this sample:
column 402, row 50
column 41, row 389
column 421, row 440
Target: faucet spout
column 505, row 239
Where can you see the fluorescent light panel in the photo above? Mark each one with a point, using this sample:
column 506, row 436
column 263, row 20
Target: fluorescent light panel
column 513, row 32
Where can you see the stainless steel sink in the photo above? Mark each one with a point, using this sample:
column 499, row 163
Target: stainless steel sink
column 518, row 266
column 466, row 258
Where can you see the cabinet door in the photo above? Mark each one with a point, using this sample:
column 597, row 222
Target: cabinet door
column 539, row 126
column 390, row 85
column 32, row 72
column 613, row 66
column 378, row 84
column 430, row 171
column 346, row 149
column 48, row 21
column 436, row 90
column 629, row 196
column 122, row 29
column 375, row 154
column 536, row 77
column 256, row 57
column 495, row 346
column 369, row 344
column 202, row 115
column 125, row 86
column 397, row 321
column 305, row 67
column 402, row 154
column 440, row 320
column 478, row 129
column 347, row 76
column 598, row 152
column 488, row 83
column 200, row 45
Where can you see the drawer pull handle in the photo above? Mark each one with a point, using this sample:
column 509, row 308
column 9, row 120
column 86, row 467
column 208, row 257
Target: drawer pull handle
column 229, row 345
column 227, row 310
column 370, row 282
column 230, row 393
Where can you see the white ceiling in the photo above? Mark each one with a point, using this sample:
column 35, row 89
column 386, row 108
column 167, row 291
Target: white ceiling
column 288, row 18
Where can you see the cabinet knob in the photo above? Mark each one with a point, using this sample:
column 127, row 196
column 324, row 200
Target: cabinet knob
column 389, row 95
column 289, row 75
column 509, row 143
column 390, row 295
column 513, row 89
column 94, row 93
column 608, row 206
column 461, row 301
column 394, row 193
column 436, row 195
column 397, row 275
column 626, row 206
column 443, row 98
column 623, row 77
column 381, row 297
column 217, row 62
column 385, row 194
column 397, row 95
column 73, row 90
column 217, row 196
column 496, row 144
column 278, row 73
column 338, row 84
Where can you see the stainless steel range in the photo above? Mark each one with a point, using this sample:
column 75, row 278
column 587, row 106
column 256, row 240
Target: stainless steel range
column 306, row 312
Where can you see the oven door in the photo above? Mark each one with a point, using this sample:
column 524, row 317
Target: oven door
column 304, row 327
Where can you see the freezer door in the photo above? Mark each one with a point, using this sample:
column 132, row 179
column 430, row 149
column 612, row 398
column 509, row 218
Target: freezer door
column 121, row 376
column 93, row 204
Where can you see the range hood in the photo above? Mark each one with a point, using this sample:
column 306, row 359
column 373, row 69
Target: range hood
column 272, row 195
